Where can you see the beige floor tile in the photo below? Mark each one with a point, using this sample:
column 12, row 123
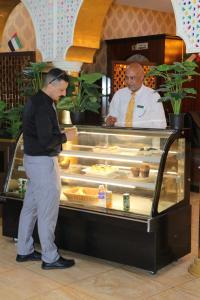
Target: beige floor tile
column 6, row 265
column 172, row 294
column 118, row 284
column 25, row 283
column 8, row 255
column 9, row 293
column 82, row 269
column 192, row 287
column 175, row 274
column 7, row 249
column 65, row 293
column 172, row 275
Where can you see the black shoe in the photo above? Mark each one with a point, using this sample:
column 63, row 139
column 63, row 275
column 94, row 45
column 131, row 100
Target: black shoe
column 35, row 256
column 61, row 263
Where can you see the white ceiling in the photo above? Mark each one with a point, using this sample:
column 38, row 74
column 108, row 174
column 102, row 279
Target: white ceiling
column 161, row 5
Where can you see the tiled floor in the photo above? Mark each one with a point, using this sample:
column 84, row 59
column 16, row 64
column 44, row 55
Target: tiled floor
column 93, row 278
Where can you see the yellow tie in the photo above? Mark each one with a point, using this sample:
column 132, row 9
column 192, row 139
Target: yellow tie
column 129, row 113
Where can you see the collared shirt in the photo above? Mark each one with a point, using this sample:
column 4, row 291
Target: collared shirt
column 148, row 113
column 41, row 130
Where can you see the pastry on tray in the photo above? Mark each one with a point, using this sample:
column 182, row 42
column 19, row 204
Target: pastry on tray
column 81, row 193
column 100, row 169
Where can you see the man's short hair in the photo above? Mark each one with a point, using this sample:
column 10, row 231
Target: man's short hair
column 54, row 75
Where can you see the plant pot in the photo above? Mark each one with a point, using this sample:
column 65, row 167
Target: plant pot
column 77, row 117
column 176, row 121
column 64, row 117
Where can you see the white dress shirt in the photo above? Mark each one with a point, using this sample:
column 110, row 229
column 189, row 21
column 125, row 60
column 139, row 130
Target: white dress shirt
column 148, row 113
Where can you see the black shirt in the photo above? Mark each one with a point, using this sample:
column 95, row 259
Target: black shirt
column 41, row 130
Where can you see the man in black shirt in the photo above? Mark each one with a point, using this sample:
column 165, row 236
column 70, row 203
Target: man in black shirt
column 42, row 144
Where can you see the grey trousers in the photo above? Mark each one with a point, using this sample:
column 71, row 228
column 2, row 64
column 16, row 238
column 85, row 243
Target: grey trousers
column 41, row 204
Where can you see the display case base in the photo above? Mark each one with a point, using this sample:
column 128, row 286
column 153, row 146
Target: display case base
column 147, row 244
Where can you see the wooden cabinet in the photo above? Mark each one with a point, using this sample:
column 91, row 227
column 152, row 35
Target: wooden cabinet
column 158, row 49
column 154, row 49
column 11, row 66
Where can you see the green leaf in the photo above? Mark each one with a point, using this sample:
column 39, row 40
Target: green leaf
column 174, row 77
column 82, row 93
column 2, row 105
column 190, row 91
column 90, row 78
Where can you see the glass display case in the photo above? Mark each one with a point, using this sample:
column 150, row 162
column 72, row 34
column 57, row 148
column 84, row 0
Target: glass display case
column 137, row 175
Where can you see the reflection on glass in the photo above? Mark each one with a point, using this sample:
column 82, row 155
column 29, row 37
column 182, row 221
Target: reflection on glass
column 172, row 190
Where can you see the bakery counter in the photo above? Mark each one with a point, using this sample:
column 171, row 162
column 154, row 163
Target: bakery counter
column 122, row 189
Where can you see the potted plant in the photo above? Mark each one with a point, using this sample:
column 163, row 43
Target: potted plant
column 83, row 94
column 174, row 77
column 10, row 120
column 29, row 82
column 31, row 79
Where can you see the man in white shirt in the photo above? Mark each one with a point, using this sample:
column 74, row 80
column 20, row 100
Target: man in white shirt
column 145, row 111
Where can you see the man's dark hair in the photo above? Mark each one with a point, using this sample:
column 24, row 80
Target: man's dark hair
column 54, row 75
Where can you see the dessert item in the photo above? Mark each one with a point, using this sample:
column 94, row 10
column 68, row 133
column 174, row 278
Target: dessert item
column 100, row 149
column 144, row 171
column 113, row 148
column 149, row 151
column 64, row 162
column 100, row 169
column 135, row 171
column 103, row 149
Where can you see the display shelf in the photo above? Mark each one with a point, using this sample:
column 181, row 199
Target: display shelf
column 111, row 181
column 112, row 157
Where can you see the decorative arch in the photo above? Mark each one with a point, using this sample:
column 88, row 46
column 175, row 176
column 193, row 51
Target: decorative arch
column 87, row 31
column 20, row 21
column 188, row 23
column 6, row 8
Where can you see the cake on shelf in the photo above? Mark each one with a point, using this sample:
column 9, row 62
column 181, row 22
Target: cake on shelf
column 144, row 171
column 135, row 171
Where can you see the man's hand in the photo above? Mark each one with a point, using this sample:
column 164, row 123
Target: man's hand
column 110, row 121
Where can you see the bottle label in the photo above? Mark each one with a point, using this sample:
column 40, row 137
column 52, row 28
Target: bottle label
column 101, row 195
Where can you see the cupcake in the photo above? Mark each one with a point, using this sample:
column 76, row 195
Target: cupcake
column 135, row 171
column 144, row 171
